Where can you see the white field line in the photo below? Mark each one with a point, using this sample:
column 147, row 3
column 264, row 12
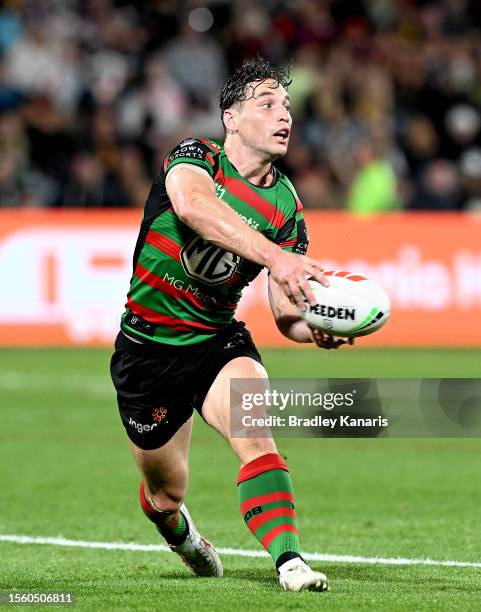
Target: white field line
column 238, row 552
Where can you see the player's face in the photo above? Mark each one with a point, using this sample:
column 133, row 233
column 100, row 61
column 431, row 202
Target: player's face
column 264, row 121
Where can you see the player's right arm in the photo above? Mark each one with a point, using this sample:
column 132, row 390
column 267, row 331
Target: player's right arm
column 293, row 326
column 193, row 198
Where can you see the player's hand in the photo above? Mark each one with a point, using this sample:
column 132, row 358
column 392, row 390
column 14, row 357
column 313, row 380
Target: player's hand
column 326, row 341
column 292, row 272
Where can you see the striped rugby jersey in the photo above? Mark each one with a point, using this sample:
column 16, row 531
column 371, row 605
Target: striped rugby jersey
column 183, row 288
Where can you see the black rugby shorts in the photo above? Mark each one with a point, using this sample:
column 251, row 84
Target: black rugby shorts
column 159, row 386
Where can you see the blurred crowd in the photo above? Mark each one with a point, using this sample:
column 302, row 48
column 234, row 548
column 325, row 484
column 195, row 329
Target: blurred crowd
column 386, row 96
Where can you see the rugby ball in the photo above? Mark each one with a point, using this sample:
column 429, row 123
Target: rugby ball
column 351, row 306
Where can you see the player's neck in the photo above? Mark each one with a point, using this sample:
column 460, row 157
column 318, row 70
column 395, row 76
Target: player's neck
column 248, row 165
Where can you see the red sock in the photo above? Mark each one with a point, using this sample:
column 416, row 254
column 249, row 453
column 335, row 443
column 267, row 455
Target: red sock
column 267, row 505
column 171, row 525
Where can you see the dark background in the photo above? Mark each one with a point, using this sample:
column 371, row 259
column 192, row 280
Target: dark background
column 386, row 96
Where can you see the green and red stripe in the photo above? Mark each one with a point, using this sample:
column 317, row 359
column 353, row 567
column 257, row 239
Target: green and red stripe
column 260, row 520
column 158, row 318
column 268, row 498
column 267, row 504
column 157, row 282
column 245, row 193
column 164, row 243
column 189, row 310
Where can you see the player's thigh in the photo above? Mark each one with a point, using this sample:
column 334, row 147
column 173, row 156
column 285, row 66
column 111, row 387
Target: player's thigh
column 216, row 409
column 165, row 470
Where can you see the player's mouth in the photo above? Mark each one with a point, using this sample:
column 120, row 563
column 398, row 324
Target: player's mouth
column 282, row 135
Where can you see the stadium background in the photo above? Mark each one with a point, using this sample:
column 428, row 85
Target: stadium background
column 386, row 101
column 386, row 157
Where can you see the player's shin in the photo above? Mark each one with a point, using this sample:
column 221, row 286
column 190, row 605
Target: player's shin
column 171, row 525
column 267, row 505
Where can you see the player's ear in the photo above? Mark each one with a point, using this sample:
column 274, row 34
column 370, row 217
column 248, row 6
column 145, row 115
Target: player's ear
column 230, row 120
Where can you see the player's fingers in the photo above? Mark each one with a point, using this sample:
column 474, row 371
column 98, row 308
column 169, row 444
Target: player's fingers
column 341, row 341
column 322, row 344
column 316, row 272
column 307, row 291
column 322, row 340
column 294, row 293
column 316, row 336
column 326, row 341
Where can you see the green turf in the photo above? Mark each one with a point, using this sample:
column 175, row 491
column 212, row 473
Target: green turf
column 66, row 470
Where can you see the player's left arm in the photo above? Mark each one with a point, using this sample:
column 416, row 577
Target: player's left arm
column 293, row 237
column 293, row 326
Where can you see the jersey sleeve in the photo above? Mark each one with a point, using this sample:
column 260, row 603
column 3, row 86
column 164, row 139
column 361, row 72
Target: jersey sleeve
column 191, row 151
column 292, row 236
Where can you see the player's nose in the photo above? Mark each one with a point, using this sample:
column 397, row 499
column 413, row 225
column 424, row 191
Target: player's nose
column 284, row 117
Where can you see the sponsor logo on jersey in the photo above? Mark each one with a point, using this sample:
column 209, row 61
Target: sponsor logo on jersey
column 140, row 427
column 248, row 221
column 206, row 262
column 236, row 341
column 188, row 148
column 220, row 191
column 301, row 248
column 302, row 238
column 180, row 284
column 159, row 414
column 186, row 142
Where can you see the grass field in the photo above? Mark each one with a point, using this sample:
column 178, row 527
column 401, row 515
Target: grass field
column 66, row 471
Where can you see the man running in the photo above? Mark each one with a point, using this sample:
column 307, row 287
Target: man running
column 216, row 215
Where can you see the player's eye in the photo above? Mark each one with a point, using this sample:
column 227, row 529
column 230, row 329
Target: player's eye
column 267, row 105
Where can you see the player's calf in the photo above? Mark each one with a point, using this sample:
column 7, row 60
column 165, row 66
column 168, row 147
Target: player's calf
column 181, row 534
column 267, row 506
column 171, row 525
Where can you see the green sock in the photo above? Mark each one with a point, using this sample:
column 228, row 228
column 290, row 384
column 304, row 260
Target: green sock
column 267, row 505
column 171, row 525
